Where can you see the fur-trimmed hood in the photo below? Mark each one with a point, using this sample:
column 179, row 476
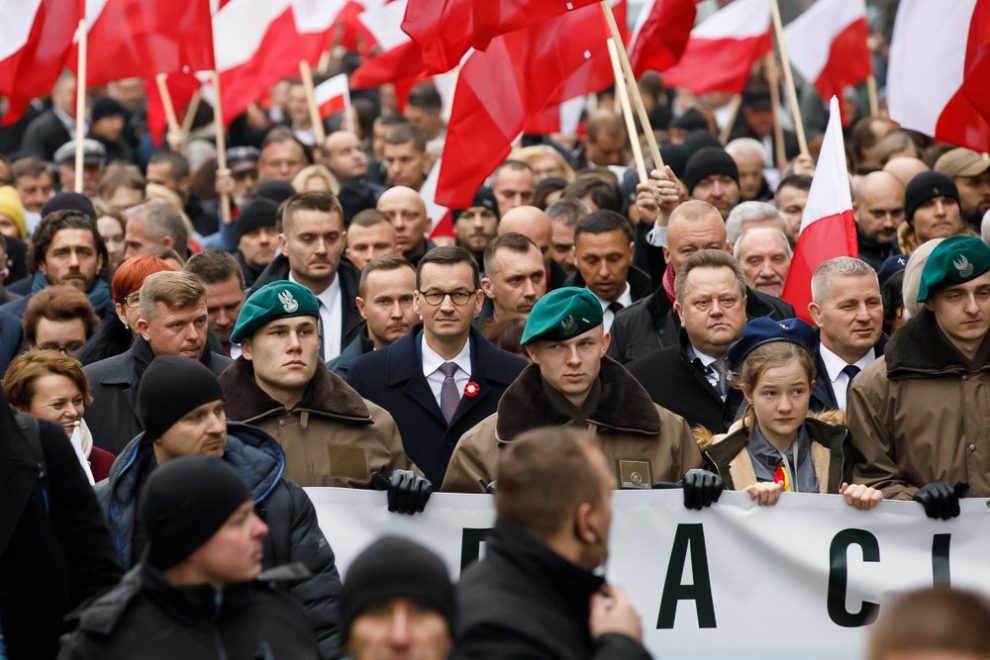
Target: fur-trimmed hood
column 624, row 404
column 326, row 395
column 920, row 349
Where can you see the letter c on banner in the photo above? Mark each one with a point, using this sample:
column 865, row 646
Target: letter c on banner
column 838, row 577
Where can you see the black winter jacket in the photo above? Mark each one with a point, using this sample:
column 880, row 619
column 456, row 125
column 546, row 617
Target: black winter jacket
column 146, row 617
column 294, row 534
column 55, row 549
column 525, row 601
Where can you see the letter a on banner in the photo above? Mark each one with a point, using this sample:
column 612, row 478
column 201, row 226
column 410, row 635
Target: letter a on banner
column 688, row 538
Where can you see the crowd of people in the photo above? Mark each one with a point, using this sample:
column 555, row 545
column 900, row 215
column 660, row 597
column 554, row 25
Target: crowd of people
column 172, row 381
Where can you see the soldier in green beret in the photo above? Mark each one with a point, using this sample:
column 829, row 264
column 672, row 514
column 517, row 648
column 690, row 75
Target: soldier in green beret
column 331, row 436
column 919, row 415
column 571, row 382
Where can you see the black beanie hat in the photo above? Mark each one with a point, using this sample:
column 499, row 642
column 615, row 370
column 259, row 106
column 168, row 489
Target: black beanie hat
column 926, row 186
column 171, row 388
column 483, row 197
column 707, row 162
column 257, row 213
column 274, row 190
column 676, row 157
column 69, row 201
column 106, row 106
column 184, row 503
column 394, row 567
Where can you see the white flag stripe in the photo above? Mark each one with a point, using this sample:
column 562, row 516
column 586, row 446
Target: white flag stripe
column 15, row 28
column 740, row 19
column 830, row 193
column 333, row 87
column 240, row 26
column 809, row 36
column 927, row 59
column 385, row 24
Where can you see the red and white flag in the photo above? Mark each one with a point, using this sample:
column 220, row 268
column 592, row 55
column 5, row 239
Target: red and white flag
column 722, row 49
column 662, row 31
column 137, row 38
column 828, row 228
column 35, row 41
column 827, row 45
column 259, row 42
column 938, row 71
column 332, row 96
column 441, row 219
column 501, row 88
column 400, row 59
column 447, row 29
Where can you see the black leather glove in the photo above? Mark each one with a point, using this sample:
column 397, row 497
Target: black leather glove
column 407, row 491
column 940, row 499
column 702, row 488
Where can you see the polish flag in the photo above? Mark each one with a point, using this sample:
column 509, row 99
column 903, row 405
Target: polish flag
column 722, row 49
column 828, row 228
column 399, row 57
column 937, row 75
column 259, row 42
column 137, row 38
column 35, row 41
column 827, row 45
column 441, row 219
column 332, row 96
column 661, row 34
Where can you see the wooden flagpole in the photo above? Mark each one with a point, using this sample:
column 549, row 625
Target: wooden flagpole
column 623, row 94
column 221, row 144
column 778, row 28
column 166, row 96
column 644, row 119
column 871, row 94
column 314, row 111
column 778, row 128
column 191, row 110
column 80, row 106
column 736, row 102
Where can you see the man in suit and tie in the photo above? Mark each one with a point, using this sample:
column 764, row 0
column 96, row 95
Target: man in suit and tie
column 312, row 241
column 690, row 377
column 442, row 377
column 848, row 310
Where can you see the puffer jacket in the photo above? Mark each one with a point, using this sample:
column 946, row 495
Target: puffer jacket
column 921, row 414
column 293, row 531
column 726, row 453
column 646, row 443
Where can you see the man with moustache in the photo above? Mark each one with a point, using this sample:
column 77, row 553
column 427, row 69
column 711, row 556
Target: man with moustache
column 765, row 257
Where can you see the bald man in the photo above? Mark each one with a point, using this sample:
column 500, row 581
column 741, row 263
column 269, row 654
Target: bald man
column 344, row 157
column 905, row 168
column 878, row 204
column 407, row 213
column 535, row 225
column 649, row 324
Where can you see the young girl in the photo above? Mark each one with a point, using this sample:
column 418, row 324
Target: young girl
column 776, row 447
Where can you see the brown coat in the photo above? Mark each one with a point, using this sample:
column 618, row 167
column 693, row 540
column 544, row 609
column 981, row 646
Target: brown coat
column 727, row 456
column 634, row 432
column 921, row 415
column 333, row 437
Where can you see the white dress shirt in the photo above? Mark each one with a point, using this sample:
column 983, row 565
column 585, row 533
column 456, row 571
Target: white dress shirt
column 625, row 300
column 834, row 366
column 331, row 318
column 432, row 363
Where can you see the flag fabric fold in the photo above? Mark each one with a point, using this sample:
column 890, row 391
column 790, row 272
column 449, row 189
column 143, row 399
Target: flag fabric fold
column 661, row 34
column 137, row 38
column 827, row 45
column 937, row 75
column 828, row 227
column 35, row 42
column 332, row 95
column 720, row 54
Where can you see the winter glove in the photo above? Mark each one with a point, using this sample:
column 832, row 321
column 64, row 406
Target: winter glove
column 941, row 500
column 701, row 488
column 407, row 491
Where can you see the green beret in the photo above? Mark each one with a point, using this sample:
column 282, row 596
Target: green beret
column 955, row 260
column 561, row 314
column 275, row 300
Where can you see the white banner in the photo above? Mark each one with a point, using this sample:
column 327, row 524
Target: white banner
column 801, row 578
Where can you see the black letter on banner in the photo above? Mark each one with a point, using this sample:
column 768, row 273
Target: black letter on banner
column 471, row 540
column 838, row 577
column 701, row 589
column 940, row 559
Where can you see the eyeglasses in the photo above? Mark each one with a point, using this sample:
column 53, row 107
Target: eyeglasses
column 68, row 348
column 133, row 300
column 459, row 297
